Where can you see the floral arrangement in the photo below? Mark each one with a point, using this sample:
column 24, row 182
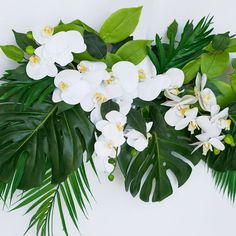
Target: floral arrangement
column 79, row 97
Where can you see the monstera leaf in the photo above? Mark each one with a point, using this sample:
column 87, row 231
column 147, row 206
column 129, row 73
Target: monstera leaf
column 168, row 150
column 226, row 160
column 49, row 140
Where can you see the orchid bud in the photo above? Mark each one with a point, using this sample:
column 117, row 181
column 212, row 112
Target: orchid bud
column 30, row 50
column 111, row 177
column 229, row 140
column 216, row 151
column 133, row 152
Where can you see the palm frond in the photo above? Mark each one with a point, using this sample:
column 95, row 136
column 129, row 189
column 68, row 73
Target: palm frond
column 226, row 182
column 73, row 193
column 177, row 54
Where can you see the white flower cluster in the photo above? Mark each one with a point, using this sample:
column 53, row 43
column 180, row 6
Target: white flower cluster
column 54, row 49
column 92, row 84
column 182, row 115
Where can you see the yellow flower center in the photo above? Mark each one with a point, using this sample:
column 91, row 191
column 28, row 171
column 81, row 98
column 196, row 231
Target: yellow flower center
column 34, row 60
column 183, row 109
column 192, row 126
column 175, row 91
column 47, row 31
column 110, row 80
column 142, row 75
column 119, row 126
column 227, row 124
column 100, row 98
column 63, row 86
column 110, row 144
column 206, row 148
column 82, row 68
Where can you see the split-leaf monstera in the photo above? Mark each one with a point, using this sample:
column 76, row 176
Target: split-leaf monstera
column 168, row 150
column 48, row 137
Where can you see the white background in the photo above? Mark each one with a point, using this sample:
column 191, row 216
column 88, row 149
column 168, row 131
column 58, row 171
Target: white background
column 196, row 209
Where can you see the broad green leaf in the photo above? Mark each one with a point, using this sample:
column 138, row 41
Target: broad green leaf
column 214, row 64
column 108, row 106
column 136, row 121
column 68, row 27
column 120, row 24
column 168, row 149
column 78, row 57
column 96, row 47
column 134, row 51
column 23, row 41
column 190, row 70
column 221, row 42
column 232, row 45
column 116, row 46
column 227, row 95
column 112, row 59
column 233, row 62
column 13, row 52
column 233, row 82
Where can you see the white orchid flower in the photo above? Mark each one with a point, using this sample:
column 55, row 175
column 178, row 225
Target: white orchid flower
column 113, row 127
column 137, row 140
column 208, row 143
column 125, row 103
column 91, row 66
column 71, row 88
column 94, row 98
column 220, row 117
column 176, row 80
column 60, row 47
column 179, row 110
column 42, row 34
column 40, row 66
column 105, row 147
column 205, row 96
column 150, row 85
column 189, row 120
column 124, row 74
column 208, row 127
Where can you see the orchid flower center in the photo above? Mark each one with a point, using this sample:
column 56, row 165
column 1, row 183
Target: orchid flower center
column 63, row 86
column 183, row 109
column 100, row 98
column 109, row 144
column 175, row 91
column 207, row 98
column 82, row 68
column 47, row 31
column 192, row 126
column 110, row 80
column 224, row 124
column 119, row 126
column 206, row 147
column 34, row 60
column 142, row 75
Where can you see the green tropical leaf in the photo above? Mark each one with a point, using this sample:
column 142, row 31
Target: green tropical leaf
column 13, row 52
column 108, row 106
column 134, row 51
column 190, row 70
column 96, row 47
column 214, row 64
column 226, row 182
column 190, row 46
column 168, row 150
column 120, row 24
column 23, row 41
column 68, row 195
